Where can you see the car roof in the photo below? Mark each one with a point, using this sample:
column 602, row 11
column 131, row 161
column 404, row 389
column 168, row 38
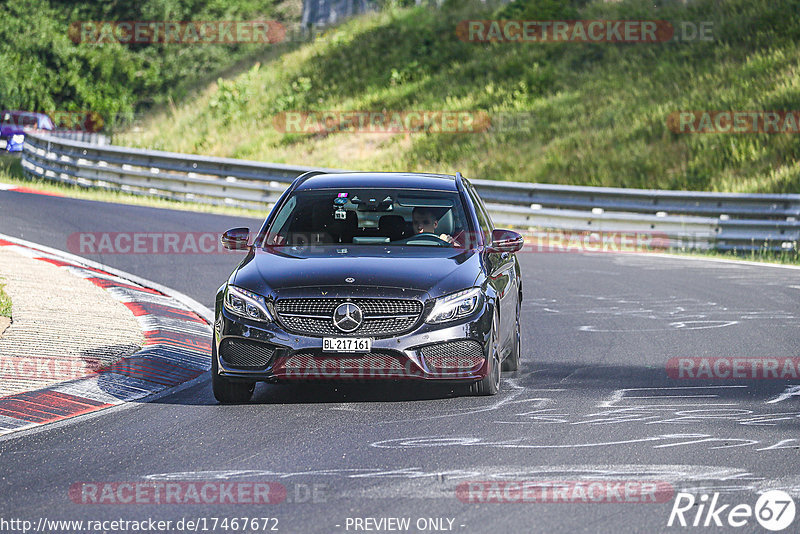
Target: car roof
column 388, row 180
column 17, row 113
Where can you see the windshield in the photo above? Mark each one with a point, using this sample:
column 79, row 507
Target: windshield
column 373, row 216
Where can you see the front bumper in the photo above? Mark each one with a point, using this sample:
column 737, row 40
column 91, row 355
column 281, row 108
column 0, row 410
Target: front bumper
column 252, row 351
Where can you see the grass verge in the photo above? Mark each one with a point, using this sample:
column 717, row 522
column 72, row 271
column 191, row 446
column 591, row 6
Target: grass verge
column 5, row 302
column 760, row 256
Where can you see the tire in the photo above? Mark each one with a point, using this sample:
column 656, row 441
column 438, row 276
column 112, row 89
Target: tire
column 490, row 384
column 512, row 362
column 226, row 391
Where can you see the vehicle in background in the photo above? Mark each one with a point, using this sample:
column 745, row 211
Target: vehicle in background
column 14, row 125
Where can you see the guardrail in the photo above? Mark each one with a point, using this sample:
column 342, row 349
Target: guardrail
column 689, row 219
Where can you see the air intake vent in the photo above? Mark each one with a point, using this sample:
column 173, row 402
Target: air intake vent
column 246, row 354
column 454, row 356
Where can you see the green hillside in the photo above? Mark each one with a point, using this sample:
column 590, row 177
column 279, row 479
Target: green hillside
column 596, row 113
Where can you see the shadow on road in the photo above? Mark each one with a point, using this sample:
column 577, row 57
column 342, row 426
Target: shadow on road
column 628, row 382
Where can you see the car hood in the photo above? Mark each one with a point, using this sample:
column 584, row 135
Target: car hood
column 375, row 270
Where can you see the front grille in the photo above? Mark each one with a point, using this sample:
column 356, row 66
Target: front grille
column 382, row 317
column 245, row 354
column 370, row 327
column 318, row 364
column 369, row 306
column 453, row 356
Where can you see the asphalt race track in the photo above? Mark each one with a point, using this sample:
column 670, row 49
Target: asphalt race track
column 592, row 401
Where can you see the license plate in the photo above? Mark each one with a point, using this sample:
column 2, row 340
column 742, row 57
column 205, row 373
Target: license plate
column 346, row 344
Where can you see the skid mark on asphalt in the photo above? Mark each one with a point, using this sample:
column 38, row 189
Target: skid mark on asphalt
column 701, row 409
column 685, row 405
column 509, row 395
column 671, row 313
column 419, row 483
column 686, row 325
column 634, row 408
column 659, row 441
column 666, row 472
column 621, row 395
column 791, row 391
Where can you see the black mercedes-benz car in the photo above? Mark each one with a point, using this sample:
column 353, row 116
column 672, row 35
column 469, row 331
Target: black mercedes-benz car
column 370, row 276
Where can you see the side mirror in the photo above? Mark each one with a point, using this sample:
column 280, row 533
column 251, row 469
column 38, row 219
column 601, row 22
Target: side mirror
column 236, row 239
column 505, row 241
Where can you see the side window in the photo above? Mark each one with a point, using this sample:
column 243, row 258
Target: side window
column 277, row 232
column 488, row 217
column 482, row 208
column 483, row 217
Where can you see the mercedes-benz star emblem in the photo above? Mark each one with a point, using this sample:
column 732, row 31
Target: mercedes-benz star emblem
column 347, row 317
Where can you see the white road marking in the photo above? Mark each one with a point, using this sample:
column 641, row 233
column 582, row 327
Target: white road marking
column 791, row 391
column 620, row 394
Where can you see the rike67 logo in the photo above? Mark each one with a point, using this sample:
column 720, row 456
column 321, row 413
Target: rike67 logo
column 774, row 510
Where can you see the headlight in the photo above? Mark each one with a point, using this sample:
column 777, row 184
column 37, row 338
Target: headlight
column 17, row 138
column 455, row 306
column 246, row 304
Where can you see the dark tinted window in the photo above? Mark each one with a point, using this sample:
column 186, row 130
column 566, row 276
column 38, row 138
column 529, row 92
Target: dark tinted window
column 483, row 217
column 361, row 216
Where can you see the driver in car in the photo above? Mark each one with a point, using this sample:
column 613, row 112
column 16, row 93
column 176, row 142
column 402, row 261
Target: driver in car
column 425, row 220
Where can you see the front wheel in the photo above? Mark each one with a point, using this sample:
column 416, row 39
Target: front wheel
column 226, row 391
column 490, row 384
column 511, row 363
